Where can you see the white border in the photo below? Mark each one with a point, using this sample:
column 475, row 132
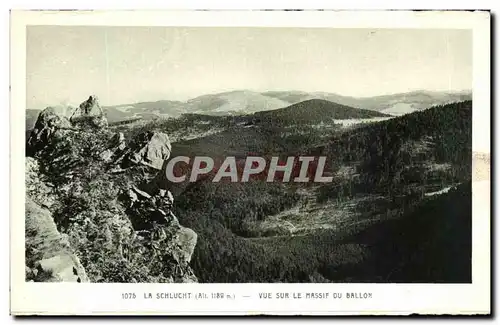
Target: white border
column 47, row 298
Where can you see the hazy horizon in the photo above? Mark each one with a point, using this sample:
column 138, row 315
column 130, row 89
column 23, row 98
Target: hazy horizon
column 249, row 90
column 123, row 65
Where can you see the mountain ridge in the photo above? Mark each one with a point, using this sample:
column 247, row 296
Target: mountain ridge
column 237, row 102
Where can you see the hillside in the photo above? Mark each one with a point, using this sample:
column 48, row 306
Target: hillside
column 437, row 140
column 314, row 111
column 431, row 243
column 399, row 104
column 383, row 171
column 295, row 96
column 233, row 102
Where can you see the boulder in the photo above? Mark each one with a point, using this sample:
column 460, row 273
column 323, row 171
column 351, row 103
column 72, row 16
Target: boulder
column 184, row 243
column 48, row 125
column 150, row 149
column 58, row 268
column 49, row 257
column 85, row 115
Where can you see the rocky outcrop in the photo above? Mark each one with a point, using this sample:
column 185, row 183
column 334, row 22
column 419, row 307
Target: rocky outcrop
column 150, row 149
column 48, row 125
column 52, row 124
column 84, row 116
column 49, row 257
column 152, row 217
column 150, row 208
column 141, row 223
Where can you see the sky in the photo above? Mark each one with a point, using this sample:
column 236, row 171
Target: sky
column 65, row 64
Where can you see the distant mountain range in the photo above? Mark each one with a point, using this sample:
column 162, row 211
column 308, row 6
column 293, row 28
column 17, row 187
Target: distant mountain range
column 395, row 104
column 244, row 102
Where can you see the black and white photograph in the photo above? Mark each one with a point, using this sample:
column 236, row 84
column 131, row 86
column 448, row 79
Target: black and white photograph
column 249, row 154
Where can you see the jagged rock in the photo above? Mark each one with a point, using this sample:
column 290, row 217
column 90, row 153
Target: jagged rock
column 174, row 245
column 184, row 243
column 48, row 125
column 150, row 149
column 85, row 119
column 146, row 209
column 49, row 257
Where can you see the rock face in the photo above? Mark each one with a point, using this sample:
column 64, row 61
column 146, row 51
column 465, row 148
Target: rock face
column 48, row 255
column 150, row 149
column 48, row 125
column 36, row 189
